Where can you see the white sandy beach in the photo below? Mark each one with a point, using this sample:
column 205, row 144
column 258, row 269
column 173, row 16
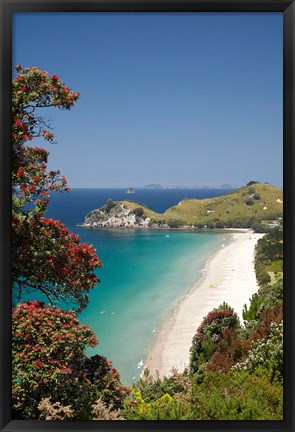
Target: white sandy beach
column 229, row 276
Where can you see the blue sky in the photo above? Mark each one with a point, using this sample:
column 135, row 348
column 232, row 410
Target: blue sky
column 172, row 98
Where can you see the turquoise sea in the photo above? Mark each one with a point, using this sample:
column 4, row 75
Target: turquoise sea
column 144, row 274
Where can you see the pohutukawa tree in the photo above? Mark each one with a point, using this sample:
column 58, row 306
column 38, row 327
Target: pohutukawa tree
column 209, row 333
column 49, row 361
column 46, row 256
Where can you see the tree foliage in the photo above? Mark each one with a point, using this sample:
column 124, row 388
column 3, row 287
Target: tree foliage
column 230, row 349
column 252, row 182
column 209, row 333
column 110, row 204
column 49, row 361
column 257, row 196
column 266, row 356
column 249, row 201
column 139, row 212
column 46, row 256
column 221, row 396
column 52, row 260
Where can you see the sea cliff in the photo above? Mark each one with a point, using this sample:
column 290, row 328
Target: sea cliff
column 118, row 215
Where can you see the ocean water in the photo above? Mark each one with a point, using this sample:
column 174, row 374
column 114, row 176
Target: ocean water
column 71, row 208
column 144, row 273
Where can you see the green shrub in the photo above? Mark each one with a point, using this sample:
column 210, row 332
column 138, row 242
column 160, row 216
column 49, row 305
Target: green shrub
column 153, row 389
column 277, row 292
column 252, row 182
column 263, row 277
column 266, row 356
column 275, row 266
column 228, row 396
column 258, row 227
column 174, row 223
column 164, row 408
column 256, row 305
column 275, row 234
column 237, row 396
column 249, row 202
column 138, row 211
column 110, row 204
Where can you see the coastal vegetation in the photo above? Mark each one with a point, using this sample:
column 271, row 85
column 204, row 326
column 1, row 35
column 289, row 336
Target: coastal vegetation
column 235, row 370
column 51, row 375
column 46, row 256
column 228, row 396
column 205, row 341
column 269, row 273
column 49, row 361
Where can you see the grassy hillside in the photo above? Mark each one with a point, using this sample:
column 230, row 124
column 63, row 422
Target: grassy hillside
column 260, row 200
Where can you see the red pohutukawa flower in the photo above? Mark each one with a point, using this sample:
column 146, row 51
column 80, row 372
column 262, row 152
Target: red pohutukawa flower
column 36, row 181
column 49, row 343
column 53, row 260
column 49, row 360
column 33, row 89
column 46, row 257
column 210, row 332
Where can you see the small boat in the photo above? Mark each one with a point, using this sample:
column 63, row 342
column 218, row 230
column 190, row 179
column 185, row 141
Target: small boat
column 130, row 190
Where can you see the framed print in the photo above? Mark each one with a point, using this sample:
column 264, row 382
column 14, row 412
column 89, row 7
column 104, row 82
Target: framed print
column 147, row 234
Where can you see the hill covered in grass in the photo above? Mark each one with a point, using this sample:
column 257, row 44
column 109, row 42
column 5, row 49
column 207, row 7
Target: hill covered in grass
column 254, row 203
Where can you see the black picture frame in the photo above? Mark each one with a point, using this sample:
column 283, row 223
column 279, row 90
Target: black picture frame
column 287, row 7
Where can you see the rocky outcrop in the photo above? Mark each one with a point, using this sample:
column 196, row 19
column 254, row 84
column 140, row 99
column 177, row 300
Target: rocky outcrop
column 117, row 215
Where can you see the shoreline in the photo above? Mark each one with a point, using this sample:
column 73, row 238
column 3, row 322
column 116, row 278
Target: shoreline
column 228, row 276
column 183, row 228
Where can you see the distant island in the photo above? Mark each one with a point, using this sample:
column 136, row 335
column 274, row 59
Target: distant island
column 154, row 186
column 252, row 206
column 226, row 186
column 159, row 186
